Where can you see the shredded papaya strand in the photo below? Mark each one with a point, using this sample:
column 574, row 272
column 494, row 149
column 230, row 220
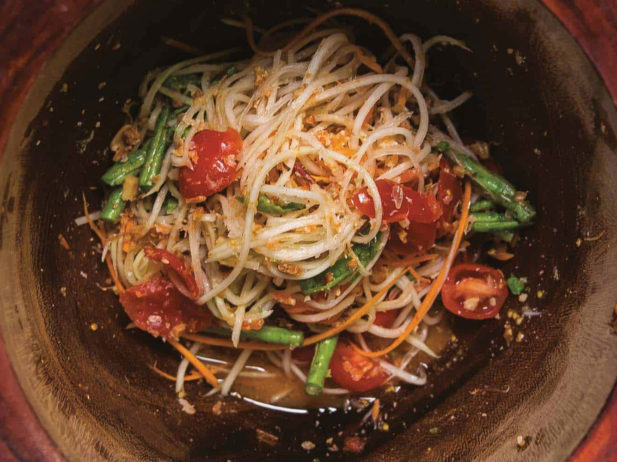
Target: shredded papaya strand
column 201, row 367
column 369, row 17
column 114, row 276
column 436, row 287
column 410, row 261
column 223, row 342
column 187, row 378
column 354, row 317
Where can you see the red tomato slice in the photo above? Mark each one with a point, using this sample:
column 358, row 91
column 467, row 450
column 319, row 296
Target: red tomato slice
column 392, row 201
column 399, row 202
column 177, row 265
column 474, row 291
column 214, row 164
column 159, row 308
column 385, row 318
column 449, row 190
column 418, row 237
column 355, row 372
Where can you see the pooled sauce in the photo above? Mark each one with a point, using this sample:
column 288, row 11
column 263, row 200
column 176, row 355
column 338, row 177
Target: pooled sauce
column 275, row 390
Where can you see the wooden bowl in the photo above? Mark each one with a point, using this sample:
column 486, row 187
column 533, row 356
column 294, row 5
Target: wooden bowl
column 72, row 391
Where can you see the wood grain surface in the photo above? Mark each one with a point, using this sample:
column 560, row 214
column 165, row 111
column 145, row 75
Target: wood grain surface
column 31, row 31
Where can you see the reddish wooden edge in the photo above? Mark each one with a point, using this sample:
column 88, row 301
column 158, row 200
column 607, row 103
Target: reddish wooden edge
column 594, row 25
column 31, row 31
column 600, row 445
column 29, row 34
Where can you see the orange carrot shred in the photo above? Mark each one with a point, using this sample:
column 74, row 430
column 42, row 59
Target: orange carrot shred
column 415, row 274
column 223, row 342
column 436, row 287
column 93, row 227
column 375, row 410
column 354, row 317
column 187, row 378
column 201, row 367
column 114, row 276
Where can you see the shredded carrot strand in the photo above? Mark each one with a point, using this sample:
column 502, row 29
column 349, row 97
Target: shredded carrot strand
column 114, row 276
column 369, row 17
column 375, row 410
column 223, row 342
column 101, row 235
column 201, row 367
column 187, row 378
column 93, row 227
column 355, row 316
column 415, row 274
column 436, row 287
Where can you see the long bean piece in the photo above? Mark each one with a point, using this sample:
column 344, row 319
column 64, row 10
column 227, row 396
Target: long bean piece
column 272, row 207
column 114, row 206
column 497, row 187
column 170, row 205
column 320, row 365
column 156, row 151
column 269, row 334
column 120, row 170
column 343, row 268
column 485, row 222
column 482, row 206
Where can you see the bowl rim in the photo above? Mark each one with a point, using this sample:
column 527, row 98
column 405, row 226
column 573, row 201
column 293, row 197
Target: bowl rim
column 22, row 433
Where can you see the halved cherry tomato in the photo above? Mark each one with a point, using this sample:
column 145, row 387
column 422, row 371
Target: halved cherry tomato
column 159, row 308
column 399, row 202
column 418, row 237
column 177, row 265
column 385, row 318
column 215, row 156
column 474, row 291
column 449, row 190
column 355, row 372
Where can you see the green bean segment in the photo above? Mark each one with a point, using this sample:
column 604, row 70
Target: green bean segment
column 320, row 366
column 114, row 206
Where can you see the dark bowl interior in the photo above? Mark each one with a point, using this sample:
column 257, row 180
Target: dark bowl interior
column 551, row 124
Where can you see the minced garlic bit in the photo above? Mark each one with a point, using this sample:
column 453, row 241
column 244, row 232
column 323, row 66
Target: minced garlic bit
column 94, row 326
column 522, row 297
column 308, row 445
column 186, row 406
column 471, row 303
